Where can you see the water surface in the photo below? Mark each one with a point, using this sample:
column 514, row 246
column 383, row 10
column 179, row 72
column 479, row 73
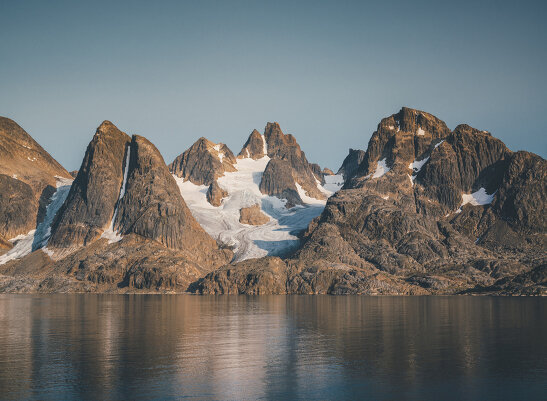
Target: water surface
column 271, row 347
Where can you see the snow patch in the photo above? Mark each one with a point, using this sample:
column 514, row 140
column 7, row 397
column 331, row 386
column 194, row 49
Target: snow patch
column 264, row 145
column 47, row 251
column 220, row 154
column 416, row 165
column 391, row 127
column 111, row 235
column 439, row 144
column 478, row 198
column 31, row 159
column 420, row 132
column 38, row 238
column 385, row 197
column 333, row 183
column 308, row 199
column 381, row 168
column 411, row 179
column 14, row 176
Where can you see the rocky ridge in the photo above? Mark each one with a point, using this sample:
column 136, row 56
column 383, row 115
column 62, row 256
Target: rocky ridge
column 426, row 211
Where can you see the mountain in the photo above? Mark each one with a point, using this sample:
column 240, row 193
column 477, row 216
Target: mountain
column 29, row 177
column 426, row 211
column 203, row 162
column 258, row 203
column 123, row 226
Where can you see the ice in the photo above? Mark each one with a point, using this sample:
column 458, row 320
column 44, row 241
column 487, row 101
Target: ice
column 439, row 144
column 277, row 237
column 417, row 165
column 38, row 238
column 307, row 199
column 420, row 132
column 381, row 169
column 333, row 183
column 478, row 198
column 220, row 154
column 264, row 146
column 109, row 233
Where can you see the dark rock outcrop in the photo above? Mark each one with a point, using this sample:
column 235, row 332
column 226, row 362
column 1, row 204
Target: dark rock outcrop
column 215, row 194
column 252, row 215
column 351, row 163
column 203, row 162
column 278, row 180
column 92, row 199
column 18, row 214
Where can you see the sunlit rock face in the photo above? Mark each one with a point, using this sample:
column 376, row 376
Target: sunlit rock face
column 27, row 181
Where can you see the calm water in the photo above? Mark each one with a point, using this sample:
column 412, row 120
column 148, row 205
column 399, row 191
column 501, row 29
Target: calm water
column 279, row 347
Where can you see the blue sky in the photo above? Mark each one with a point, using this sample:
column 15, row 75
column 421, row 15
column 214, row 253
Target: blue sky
column 326, row 71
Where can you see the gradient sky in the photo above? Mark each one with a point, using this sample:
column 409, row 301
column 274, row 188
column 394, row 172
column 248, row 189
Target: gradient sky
column 326, row 71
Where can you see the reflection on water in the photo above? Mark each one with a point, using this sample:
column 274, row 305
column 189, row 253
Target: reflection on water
column 271, row 347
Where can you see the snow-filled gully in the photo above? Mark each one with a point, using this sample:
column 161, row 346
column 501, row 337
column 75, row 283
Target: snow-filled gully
column 109, row 233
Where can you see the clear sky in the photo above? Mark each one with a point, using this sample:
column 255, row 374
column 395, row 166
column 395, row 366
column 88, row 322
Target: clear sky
column 326, row 71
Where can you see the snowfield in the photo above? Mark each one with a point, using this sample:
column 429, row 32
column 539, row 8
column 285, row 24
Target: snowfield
column 277, row 237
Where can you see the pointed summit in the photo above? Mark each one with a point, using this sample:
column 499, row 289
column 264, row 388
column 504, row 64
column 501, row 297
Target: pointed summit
column 285, row 147
column 203, row 162
column 254, row 147
column 91, row 201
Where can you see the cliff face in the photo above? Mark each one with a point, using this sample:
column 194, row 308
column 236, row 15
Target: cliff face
column 427, row 210
column 90, row 204
column 27, row 180
column 152, row 206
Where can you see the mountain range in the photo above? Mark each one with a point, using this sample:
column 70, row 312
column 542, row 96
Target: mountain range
column 423, row 210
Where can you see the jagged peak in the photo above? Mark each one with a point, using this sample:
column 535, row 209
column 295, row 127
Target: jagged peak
column 253, row 147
